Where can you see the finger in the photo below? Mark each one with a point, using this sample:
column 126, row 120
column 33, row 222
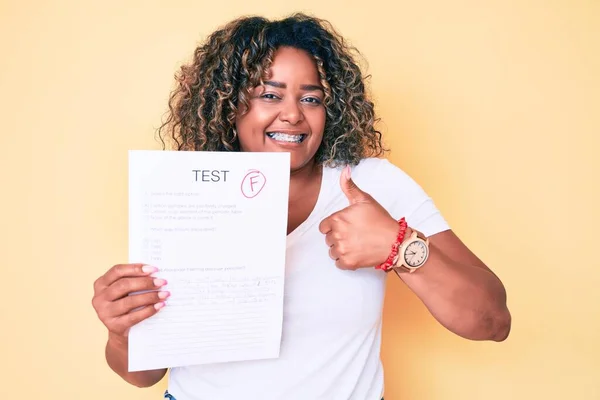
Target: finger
column 126, row 270
column 325, row 226
column 128, row 320
column 352, row 192
column 333, row 237
column 342, row 263
column 330, row 223
column 333, row 253
column 125, row 286
column 329, row 240
column 129, row 303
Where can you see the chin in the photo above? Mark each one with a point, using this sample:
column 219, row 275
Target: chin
column 302, row 148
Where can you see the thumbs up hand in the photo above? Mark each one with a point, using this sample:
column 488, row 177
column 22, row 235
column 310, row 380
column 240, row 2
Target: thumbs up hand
column 360, row 235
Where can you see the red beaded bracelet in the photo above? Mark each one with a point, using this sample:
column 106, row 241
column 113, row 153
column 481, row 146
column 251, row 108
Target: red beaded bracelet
column 387, row 265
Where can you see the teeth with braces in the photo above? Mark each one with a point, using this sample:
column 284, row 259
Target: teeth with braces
column 283, row 137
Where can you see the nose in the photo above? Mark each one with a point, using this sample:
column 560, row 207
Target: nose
column 291, row 112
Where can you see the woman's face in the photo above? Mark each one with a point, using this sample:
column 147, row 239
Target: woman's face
column 287, row 113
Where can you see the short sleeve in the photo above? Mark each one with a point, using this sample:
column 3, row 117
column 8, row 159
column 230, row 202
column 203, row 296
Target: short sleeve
column 427, row 218
column 401, row 195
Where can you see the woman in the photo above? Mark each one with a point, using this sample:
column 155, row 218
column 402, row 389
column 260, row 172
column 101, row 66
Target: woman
column 292, row 85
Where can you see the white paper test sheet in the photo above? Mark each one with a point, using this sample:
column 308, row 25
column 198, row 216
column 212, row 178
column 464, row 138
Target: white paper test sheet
column 215, row 225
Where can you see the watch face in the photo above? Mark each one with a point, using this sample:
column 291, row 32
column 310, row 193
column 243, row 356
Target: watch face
column 416, row 253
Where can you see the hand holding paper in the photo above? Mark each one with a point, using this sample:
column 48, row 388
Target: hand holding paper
column 116, row 309
column 215, row 226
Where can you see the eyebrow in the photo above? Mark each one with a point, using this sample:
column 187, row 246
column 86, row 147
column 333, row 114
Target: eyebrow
column 282, row 85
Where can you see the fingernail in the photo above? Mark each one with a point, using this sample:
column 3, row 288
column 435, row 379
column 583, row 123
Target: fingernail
column 348, row 171
column 163, row 295
column 160, row 305
column 159, row 282
column 149, row 269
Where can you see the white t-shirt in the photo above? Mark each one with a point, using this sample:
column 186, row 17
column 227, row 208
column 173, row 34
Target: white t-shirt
column 331, row 337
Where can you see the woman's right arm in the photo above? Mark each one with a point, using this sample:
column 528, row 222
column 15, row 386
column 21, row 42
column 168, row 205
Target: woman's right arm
column 116, row 357
column 119, row 311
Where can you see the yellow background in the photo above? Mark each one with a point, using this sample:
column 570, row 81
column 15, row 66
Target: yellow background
column 492, row 106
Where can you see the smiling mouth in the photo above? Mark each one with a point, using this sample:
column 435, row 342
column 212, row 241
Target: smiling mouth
column 287, row 137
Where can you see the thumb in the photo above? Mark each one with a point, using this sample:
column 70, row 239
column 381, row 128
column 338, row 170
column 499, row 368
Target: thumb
column 352, row 192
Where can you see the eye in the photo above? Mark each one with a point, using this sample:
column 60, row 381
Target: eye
column 312, row 100
column 269, row 96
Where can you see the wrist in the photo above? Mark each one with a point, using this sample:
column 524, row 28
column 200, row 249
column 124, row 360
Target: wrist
column 413, row 252
column 117, row 341
column 398, row 232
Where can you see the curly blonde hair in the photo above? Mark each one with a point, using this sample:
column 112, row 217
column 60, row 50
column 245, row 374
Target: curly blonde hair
column 236, row 58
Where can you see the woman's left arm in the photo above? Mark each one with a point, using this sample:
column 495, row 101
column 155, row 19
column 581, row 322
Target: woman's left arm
column 460, row 291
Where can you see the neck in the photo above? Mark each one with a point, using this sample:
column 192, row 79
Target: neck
column 303, row 178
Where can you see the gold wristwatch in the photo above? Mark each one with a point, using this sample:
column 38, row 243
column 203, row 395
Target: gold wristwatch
column 412, row 254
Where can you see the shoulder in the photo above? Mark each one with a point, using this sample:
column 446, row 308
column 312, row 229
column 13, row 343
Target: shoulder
column 382, row 174
column 373, row 163
column 399, row 193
